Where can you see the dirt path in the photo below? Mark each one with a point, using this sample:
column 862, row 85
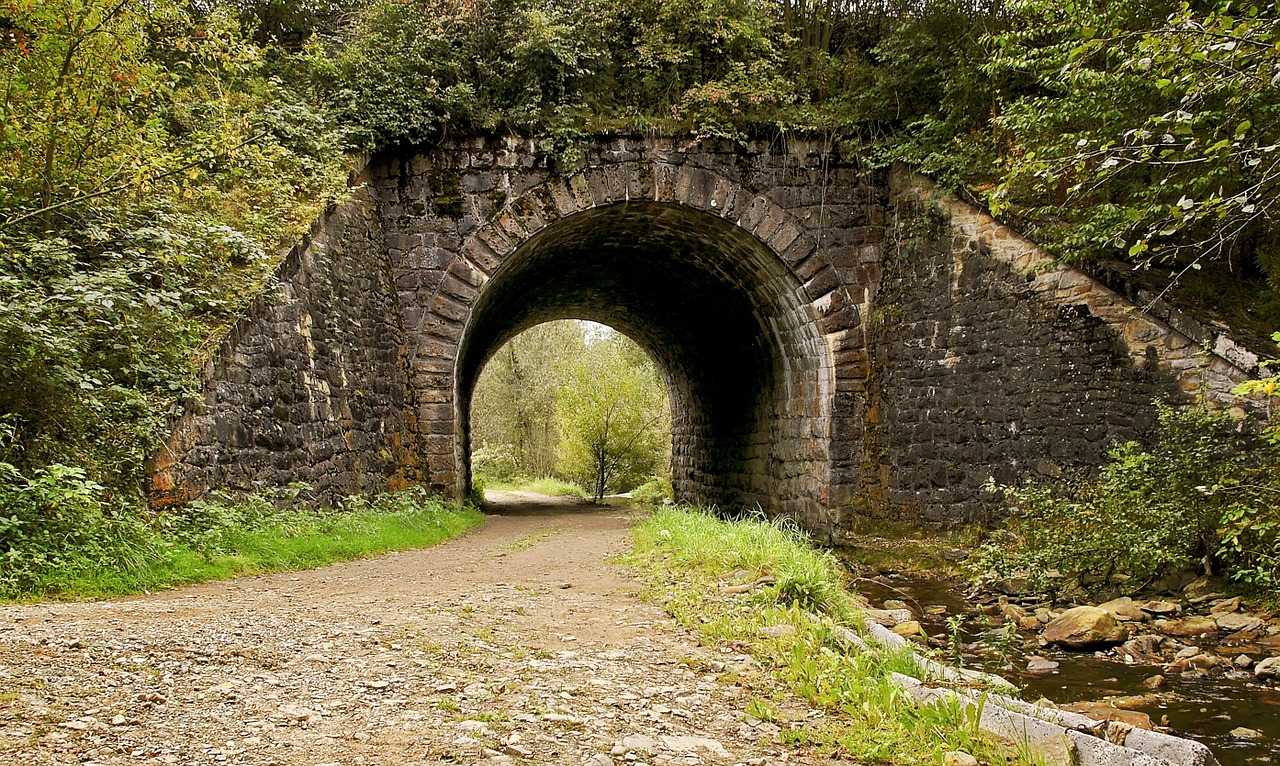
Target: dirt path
column 515, row 643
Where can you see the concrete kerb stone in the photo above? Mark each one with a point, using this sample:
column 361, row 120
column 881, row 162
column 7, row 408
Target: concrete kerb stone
column 1097, row 743
column 1033, row 733
column 1166, row 746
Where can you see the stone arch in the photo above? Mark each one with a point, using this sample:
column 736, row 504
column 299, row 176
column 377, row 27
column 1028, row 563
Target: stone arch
column 724, row 288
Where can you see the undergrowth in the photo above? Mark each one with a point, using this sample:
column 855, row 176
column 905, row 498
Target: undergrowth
column 94, row 548
column 688, row 556
column 1200, row 496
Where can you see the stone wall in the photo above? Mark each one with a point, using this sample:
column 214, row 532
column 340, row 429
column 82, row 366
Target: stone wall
column 991, row 361
column 310, row 386
column 706, row 254
column 837, row 342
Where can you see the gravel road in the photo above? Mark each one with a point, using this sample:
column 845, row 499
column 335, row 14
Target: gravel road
column 516, row 643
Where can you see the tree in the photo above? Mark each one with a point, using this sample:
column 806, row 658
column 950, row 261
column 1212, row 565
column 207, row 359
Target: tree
column 1153, row 130
column 514, row 404
column 611, row 416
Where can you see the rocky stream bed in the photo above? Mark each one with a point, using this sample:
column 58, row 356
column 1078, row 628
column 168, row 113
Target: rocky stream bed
column 1192, row 662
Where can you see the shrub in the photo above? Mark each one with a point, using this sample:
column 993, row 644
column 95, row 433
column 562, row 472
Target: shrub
column 1202, row 494
column 655, row 491
column 57, row 519
column 495, row 463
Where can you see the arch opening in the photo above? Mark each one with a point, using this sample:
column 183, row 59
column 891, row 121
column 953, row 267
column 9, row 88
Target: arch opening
column 571, row 401
column 720, row 314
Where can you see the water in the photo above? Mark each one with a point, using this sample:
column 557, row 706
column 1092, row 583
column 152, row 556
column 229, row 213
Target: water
column 1205, row 708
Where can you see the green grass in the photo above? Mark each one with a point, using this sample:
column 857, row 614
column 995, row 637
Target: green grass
column 230, row 546
column 547, row 485
column 687, row 558
column 551, row 486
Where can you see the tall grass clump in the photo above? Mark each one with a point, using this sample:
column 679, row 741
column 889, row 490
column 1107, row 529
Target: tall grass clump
column 696, row 564
column 801, row 574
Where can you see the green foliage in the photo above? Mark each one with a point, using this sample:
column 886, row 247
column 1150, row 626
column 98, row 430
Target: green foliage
column 1140, row 130
column 151, row 161
column 655, row 491
column 540, row 394
column 611, row 417
column 495, row 464
column 514, row 404
column 1150, row 131
column 802, row 575
column 1198, row 494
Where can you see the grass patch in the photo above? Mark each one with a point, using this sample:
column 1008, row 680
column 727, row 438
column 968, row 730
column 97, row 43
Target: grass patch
column 531, row 539
column 548, row 485
column 224, row 539
column 691, row 561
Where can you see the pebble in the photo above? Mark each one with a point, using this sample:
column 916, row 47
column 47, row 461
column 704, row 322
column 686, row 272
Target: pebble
column 958, row 758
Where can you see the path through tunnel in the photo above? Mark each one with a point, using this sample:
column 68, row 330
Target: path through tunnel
column 720, row 314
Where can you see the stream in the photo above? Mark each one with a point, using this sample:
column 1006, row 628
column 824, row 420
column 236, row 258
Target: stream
column 1204, row 707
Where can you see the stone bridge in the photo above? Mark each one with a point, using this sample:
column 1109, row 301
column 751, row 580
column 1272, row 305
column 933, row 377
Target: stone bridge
column 836, row 341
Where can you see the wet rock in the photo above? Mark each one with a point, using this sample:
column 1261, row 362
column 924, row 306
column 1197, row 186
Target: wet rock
column 1243, row 732
column 1012, row 586
column 1186, row 653
column 958, row 758
column 1124, row 609
column 935, row 610
column 1191, row 626
column 1012, row 612
column 1085, row 626
column 1030, row 623
column 1160, row 608
column 1234, row 622
column 894, row 603
column 1155, row 682
column 1203, row 589
column 1100, row 711
column 1040, row 665
column 1195, row 663
column 1244, row 661
column 1268, row 669
column 1173, row 582
column 1225, row 605
column 1147, row 644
